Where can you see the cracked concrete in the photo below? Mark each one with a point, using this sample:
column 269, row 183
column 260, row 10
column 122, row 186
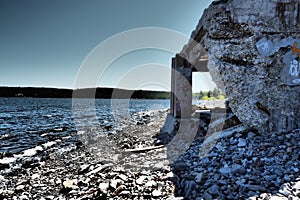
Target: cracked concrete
column 250, row 45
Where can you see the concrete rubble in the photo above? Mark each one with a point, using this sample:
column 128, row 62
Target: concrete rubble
column 253, row 49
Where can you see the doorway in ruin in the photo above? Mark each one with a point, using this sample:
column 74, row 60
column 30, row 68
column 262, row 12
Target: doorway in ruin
column 187, row 82
column 202, row 84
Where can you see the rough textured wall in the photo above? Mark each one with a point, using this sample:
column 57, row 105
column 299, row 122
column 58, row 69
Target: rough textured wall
column 253, row 57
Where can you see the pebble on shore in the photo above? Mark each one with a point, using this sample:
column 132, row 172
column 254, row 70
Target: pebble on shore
column 241, row 165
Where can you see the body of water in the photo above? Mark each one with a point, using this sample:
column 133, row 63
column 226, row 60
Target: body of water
column 28, row 122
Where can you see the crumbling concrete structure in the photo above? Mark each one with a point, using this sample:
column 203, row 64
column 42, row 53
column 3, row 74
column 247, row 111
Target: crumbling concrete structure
column 253, row 56
column 181, row 98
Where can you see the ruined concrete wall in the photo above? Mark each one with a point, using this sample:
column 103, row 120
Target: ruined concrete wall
column 253, row 57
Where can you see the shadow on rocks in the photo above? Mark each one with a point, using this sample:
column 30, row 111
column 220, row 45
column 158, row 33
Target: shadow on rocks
column 242, row 164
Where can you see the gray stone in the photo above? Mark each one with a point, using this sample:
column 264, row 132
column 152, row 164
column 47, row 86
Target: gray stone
column 278, row 198
column 83, row 169
column 285, row 189
column 251, row 194
column 242, row 142
column 297, row 186
column 188, row 187
column 99, row 169
column 278, row 171
column 270, row 177
column 207, row 196
column 151, row 183
column 114, row 183
column 20, row 187
column 198, row 178
column 70, row 184
column 223, row 182
column 156, row 193
column 264, row 196
column 103, row 187
column 269, row 161
column 213, row 190
column 278, row 182
column 35, row 176
column 240, row 183
column 255, row 187
column 123, row 177
column 287, row 178
column 247, row 61
column 125, row 193
column 237, row 169
column 24, row 197
column 225, row 170
column 140, row 180
column 251, row 135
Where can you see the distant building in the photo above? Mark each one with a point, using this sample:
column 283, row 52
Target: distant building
column 19, row 95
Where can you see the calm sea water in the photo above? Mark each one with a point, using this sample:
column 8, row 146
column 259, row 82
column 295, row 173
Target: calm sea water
column 28, row 122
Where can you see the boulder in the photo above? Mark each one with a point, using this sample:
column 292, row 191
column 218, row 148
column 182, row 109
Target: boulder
column 254, row 57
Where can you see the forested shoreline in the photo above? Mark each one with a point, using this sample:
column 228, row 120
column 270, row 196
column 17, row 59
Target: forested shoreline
column 99, row 93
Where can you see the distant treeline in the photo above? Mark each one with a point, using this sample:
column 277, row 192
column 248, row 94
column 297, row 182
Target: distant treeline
column 99, row 93
column 209, row 95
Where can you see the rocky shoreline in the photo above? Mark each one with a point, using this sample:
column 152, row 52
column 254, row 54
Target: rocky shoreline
column 133, row 164
column 242, row 165
column 94, row 170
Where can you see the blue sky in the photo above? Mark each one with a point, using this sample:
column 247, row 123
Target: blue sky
column 43, row 43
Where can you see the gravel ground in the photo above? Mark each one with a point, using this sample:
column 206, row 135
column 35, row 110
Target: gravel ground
column 133, row 164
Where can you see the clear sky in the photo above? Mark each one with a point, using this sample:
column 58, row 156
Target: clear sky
column 43, row 43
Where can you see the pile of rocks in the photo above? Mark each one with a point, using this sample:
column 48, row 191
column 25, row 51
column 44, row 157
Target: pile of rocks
column 242, row 165
column 252, row 50
column 236, row 163
column 84, row 173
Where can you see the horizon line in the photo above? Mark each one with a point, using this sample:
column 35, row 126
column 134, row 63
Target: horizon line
column 66, row 88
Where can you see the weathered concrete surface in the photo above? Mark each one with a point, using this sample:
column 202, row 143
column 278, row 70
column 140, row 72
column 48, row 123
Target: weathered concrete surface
column 253, row 57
